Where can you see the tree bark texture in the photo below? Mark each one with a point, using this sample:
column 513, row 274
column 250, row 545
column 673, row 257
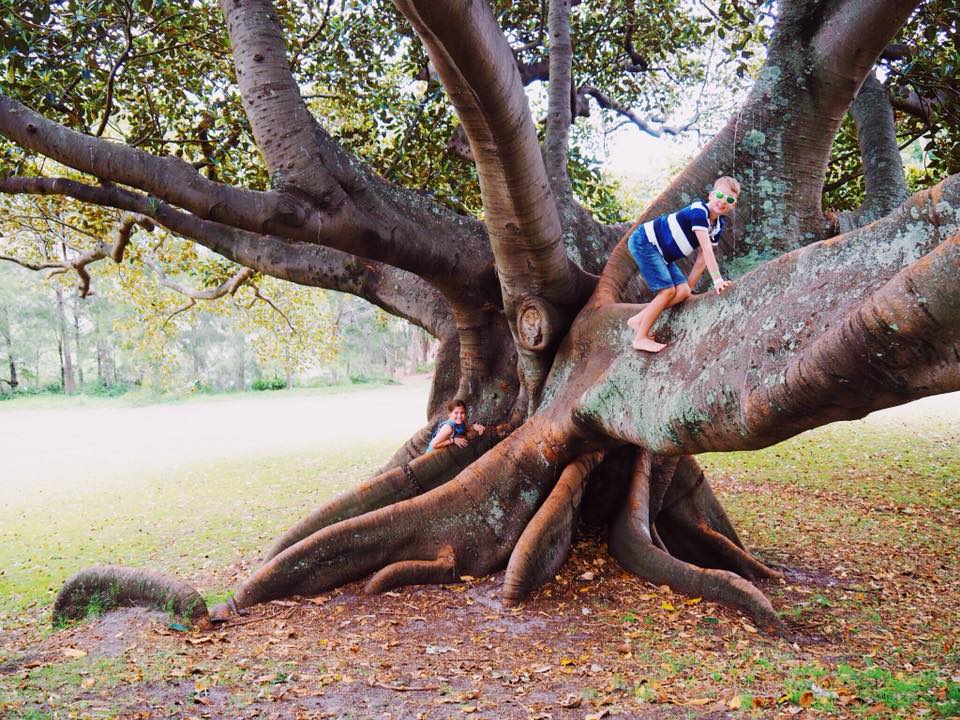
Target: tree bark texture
column 581, row 428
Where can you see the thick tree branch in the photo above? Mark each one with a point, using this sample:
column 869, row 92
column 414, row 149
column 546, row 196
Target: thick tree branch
column 885, row 182
column 396, row 291
column 778, row 144
column 836, row 25
column 168, row 178
column 559, row 116
column 364, row 215
column 828, row 332
column 394, row 226
column 478, row 69
column 271, row 100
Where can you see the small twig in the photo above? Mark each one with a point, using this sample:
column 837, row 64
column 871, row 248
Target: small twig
column 406, row 688
column 238, row 623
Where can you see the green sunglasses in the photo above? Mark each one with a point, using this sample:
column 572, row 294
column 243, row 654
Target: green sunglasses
column 723, row 196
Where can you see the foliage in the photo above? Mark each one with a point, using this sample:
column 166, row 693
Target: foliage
column 273, row 384
column 157, row 75
column 930, row 69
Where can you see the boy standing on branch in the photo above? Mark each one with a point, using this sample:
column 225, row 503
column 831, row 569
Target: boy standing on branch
column 657, row 245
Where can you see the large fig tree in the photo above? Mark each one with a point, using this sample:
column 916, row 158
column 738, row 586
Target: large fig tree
column 528, row 294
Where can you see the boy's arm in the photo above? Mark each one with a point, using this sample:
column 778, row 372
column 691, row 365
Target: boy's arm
column 706, row 251
column 697, row 270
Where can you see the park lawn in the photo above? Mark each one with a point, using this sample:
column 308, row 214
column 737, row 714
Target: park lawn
column 190, row 522
column 863, row 517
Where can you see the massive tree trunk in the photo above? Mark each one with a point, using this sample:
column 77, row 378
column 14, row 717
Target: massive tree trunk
column 579, row 423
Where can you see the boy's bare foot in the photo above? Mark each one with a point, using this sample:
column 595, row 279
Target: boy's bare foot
column 633, row 322
column 648, row 345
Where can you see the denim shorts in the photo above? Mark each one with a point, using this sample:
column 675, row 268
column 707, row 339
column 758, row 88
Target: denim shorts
column 657, row 273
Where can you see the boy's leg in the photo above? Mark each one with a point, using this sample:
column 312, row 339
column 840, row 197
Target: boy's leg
column 656, row 273
column 683, row 292
column 647, row 317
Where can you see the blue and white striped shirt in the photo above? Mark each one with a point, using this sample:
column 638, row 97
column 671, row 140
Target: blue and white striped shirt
column 673, row 234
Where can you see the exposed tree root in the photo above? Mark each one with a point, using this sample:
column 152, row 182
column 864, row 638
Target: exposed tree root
column 400, row 483
column 690, row 538
column 693, row 526
column 104, row 587
column 631, row 543
column 545, row 543
column 414, row 572
column 411, row 449
column 479, row 515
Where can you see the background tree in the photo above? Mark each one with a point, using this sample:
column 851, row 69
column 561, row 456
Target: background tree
column 526, row 289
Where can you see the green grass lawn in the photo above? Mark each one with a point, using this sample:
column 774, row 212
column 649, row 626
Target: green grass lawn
column 187, row 522
column 141, row 398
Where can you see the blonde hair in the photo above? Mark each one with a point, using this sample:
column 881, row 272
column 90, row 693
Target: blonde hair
column 730, row 182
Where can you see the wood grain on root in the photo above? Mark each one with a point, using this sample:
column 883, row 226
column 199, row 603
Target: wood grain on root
column 545, row 543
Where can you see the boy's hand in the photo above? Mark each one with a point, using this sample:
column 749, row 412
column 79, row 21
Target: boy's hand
column 478, row 428
column 722, row 285
column 460, row 442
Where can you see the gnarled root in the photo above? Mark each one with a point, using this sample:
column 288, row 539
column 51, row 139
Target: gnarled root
column 480, row 513
column 694, row 527
column 400, row 483
column 631, row 543
column 414, row 572
column 545, row 543
column 104, row 587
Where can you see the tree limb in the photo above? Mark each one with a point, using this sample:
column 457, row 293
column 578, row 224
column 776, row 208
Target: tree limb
column 392, row 226
column 100, row 251
column 859, row 322
column 655, row 125
column 558, row 101
column 885, row 182
column 395, row 290
column 479, row 71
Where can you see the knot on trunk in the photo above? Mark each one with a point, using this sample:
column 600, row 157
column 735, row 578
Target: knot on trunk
column 538, row 324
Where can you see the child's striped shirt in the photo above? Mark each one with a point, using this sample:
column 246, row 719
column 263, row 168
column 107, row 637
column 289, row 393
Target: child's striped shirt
column 673, row 234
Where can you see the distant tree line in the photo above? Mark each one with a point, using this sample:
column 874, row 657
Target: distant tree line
column 55, row 341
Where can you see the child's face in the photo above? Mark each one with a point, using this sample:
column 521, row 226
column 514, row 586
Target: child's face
column 722, row 205
column 458, row 415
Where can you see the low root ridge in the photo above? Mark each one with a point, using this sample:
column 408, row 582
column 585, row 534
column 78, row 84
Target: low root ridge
column 414, row 572
column 545, row 543
column 105, row 587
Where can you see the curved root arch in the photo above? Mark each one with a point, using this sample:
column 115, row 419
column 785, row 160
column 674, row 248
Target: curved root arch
column 468, row 525
column 403, row 482
column 105, row 587
column 669, row 488
column 545, row 543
